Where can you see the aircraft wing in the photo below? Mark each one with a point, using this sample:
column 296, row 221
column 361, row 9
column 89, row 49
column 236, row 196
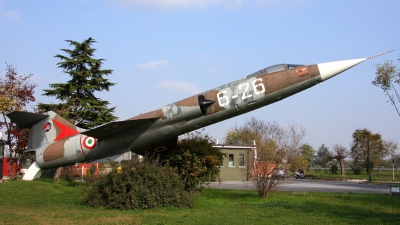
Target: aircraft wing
column 116, row 127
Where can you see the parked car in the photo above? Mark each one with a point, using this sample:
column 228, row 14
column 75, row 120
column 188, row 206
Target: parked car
column 281, row 172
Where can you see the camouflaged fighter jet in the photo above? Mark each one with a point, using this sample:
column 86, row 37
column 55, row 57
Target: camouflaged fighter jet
column 59, row 143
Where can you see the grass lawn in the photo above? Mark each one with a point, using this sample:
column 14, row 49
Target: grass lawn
column 55, row 202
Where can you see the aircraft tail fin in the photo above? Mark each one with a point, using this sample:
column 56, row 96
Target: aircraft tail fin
column 44, row 128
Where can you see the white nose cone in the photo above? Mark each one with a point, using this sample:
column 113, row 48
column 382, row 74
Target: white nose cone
column 330, row 69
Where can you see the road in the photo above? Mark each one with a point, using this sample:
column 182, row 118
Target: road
column 307, row 185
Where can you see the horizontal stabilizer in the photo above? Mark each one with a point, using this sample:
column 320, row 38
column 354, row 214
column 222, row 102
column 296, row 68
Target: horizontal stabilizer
column 116, row 127
column 25, row 119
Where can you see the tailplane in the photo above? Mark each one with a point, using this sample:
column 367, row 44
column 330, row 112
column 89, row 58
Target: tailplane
column 44, row 128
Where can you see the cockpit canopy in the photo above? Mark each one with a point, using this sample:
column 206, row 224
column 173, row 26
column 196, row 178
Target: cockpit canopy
column 275, row 68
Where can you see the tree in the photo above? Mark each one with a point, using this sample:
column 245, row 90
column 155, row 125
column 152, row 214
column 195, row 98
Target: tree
column 16, row 92
column 78, row 102
column 387, row 74
column 359, row 148
column 196, row 159
column 275, row 146
column 307, row 152
column 340, row 153
column 322, row 156
column 391, row 147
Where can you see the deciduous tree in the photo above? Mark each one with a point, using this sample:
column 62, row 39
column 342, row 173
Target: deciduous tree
column 387, row 76
column 340, row 153
column 275, row 146
column 308, row 153
column 359, row 148
column 391, row 147
column 16, row 92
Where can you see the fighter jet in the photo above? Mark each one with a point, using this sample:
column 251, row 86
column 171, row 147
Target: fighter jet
column 59, row 143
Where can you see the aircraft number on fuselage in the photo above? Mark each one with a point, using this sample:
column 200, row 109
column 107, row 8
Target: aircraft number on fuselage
column 224, row 99
column 244, row 96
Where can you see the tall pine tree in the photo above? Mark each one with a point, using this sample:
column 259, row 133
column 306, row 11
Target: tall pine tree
column 78, row 102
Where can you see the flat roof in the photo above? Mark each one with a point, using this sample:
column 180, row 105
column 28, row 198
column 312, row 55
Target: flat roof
column 234, row 147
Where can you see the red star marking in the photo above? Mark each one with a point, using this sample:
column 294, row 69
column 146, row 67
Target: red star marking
column 65, row 131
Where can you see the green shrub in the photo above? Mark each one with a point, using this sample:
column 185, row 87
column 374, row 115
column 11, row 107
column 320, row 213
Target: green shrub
column 357, row 167
column 196, row 160
column 135, row 184
column 334, row 168
column 67, row 173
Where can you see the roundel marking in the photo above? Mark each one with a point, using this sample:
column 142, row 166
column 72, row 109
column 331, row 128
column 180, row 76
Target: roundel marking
column 111, row 127
column 46, row 127
column 89, row 143
column 161, row 148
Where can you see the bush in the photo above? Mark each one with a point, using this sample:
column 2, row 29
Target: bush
column 134, row 185
column 357, row 167
column 356, row 170
column 334, row 168
column 196, row 160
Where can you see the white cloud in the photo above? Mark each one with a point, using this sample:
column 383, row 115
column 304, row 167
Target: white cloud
column 178, row 4
column 153, row 64
column 281, row 2
column 200, row 4
column 178, row 86
column 11, row 14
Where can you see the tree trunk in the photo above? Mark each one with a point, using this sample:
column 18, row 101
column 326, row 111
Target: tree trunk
column 10, row 169
column 341, row 162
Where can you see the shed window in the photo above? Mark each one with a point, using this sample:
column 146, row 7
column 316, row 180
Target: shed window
column 241, row 159
column 231, row 158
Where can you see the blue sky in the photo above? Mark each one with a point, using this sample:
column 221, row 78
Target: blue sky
column 164, row 51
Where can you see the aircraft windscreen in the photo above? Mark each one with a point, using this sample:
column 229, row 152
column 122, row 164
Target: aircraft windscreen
column 291, row 66
column 275, row 68
column 255, row 73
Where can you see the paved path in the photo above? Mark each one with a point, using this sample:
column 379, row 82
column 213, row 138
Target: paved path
column 307, row 185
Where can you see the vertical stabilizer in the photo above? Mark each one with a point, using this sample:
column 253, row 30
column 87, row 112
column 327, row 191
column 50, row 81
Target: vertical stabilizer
column 44, row 128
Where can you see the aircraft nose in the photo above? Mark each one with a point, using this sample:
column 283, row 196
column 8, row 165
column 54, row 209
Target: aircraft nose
column 330, row 69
